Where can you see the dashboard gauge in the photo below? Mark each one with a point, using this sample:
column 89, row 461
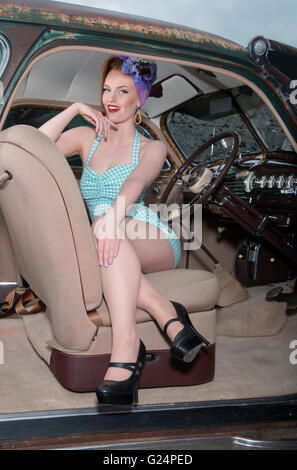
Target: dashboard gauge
column 290, row 182
column 280, row 182
column 262, row 182
column 249, row 182
column 271, row 181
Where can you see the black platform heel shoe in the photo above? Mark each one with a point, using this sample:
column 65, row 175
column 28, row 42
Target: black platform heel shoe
column 188, row 341
column 124, row 392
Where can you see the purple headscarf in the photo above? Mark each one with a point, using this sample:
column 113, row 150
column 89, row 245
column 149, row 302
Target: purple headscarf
column 143, row 72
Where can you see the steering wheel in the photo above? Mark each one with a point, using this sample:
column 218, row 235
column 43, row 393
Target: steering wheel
column 200, row 180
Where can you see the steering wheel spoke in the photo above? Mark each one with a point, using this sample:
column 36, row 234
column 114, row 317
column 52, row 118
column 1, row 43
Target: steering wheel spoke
column 201, row 180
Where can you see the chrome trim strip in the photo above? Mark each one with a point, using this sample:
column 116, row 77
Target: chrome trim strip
column 5, row 48
column 149, row 408
column 193, row 443
column 257, row 444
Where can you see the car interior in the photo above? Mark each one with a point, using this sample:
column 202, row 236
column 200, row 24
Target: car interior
column 228, row 153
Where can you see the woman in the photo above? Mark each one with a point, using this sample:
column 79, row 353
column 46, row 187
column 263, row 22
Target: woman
column 115, row 176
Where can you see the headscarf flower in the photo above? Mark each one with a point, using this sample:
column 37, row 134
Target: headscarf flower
column 143, row 72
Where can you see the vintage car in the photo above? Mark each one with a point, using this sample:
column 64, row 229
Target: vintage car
column 228, row 116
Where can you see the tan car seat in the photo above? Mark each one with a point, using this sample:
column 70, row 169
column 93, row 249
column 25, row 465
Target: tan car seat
column 55, row 253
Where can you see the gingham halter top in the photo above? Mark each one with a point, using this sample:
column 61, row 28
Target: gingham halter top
column 99, row 190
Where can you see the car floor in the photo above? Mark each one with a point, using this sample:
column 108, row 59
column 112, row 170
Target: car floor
column 251, row 362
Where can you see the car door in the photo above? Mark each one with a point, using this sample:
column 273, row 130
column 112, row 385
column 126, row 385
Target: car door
column 15, row 42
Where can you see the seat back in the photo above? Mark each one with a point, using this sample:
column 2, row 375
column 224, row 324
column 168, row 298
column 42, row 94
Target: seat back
column 50, row 232
column 7, row 264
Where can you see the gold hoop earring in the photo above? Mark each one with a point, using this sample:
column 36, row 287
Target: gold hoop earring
column 137, row 118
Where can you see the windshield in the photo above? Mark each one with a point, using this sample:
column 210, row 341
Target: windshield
column 262, row 119
column 196, row 121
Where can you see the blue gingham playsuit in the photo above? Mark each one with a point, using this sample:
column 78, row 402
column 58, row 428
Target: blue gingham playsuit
column 100, row 191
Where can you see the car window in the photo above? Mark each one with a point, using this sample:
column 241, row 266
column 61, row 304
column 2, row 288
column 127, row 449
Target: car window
column 195, row 122
column 198, row 120
column 262, row 119
column 36, row 116
column 146, row 131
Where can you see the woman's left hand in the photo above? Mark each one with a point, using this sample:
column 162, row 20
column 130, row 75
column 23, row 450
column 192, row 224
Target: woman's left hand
column 108, row 235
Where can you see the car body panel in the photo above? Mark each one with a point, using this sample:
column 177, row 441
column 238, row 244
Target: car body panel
column 82, row 18
column 173, row 425
column 21, row 38
column 143, row 37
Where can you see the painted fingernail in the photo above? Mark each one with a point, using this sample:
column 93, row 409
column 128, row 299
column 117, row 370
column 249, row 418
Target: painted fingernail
column 106, row 265
column 110, row 261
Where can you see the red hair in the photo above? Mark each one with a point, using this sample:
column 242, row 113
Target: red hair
column 112, row 63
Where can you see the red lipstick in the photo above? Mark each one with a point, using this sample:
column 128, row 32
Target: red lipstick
column 113, row 108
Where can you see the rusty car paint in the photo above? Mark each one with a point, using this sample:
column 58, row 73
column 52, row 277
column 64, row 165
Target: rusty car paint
column 93, row 19
column 22, row 38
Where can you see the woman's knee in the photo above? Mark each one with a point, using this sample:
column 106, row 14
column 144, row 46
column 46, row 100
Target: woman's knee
column 154, row 255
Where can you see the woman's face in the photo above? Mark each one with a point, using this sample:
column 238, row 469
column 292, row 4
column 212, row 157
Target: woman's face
column 119, row 96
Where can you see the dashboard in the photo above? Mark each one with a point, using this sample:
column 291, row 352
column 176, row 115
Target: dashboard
column 270, row 185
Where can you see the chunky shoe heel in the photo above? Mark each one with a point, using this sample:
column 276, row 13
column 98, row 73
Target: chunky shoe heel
column 124, row 392
column 188, row 341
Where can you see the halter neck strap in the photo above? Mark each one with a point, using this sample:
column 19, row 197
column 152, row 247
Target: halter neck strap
column 136, row 147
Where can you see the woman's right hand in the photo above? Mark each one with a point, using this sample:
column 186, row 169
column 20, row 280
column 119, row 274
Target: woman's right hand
column 108, row 234
column 96, row 118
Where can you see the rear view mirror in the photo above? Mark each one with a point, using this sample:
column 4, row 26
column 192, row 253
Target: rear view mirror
column 220, row 105
column 175, row 91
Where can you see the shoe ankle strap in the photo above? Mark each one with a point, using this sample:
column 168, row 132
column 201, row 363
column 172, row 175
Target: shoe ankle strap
column 124, row 365
column 168, row 323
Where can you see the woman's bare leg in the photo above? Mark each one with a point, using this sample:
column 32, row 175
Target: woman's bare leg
column 158, row 307
column 125, row 287
column 120, row 283
column 155, row 255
